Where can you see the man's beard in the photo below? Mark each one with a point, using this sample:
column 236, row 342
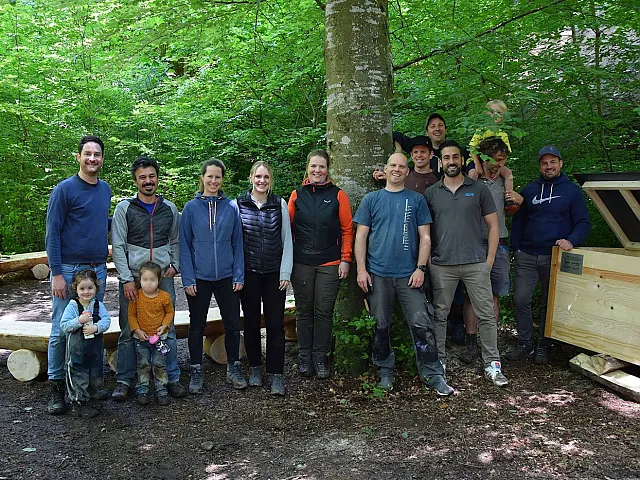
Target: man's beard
column 454, row 173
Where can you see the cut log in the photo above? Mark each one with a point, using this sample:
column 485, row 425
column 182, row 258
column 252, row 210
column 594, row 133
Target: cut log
column 112, row 358
column 625, row 384
column 40, row 271
column 604, row 364
column 24, row 261
column 26, row 365
column 214, row 347
column 290, row 332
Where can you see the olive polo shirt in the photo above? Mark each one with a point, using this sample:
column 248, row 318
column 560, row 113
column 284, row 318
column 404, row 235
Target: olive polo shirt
column 456, row 232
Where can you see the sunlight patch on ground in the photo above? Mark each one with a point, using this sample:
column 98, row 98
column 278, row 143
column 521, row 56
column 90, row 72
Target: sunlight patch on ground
column 623, row 407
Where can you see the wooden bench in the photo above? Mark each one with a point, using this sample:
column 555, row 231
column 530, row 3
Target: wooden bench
column 29, row 340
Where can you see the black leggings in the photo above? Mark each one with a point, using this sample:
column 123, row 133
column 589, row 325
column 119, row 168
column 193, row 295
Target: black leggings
column 229, row 305
column 264, row 289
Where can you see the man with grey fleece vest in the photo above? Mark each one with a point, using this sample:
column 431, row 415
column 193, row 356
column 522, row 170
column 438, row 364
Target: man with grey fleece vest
column 144, row 228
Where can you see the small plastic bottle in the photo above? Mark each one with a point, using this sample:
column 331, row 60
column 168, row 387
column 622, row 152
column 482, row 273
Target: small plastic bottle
column 90, row 335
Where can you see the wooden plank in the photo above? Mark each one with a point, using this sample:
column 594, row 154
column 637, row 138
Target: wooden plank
column 551, row 298
column 625, row 384
column 612, row 185
column 633, row 203
column 616, row 251
column 15, row 334
column 598, row 309
column 24, row 261
column 606, row 214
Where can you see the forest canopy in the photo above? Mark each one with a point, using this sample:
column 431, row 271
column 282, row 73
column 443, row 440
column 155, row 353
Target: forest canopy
column 183, row 81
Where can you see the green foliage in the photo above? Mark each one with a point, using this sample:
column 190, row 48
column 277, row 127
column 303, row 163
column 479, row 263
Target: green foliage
column 354, row 335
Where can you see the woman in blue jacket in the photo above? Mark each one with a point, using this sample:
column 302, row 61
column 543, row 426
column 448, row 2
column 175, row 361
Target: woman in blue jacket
column 212, row 262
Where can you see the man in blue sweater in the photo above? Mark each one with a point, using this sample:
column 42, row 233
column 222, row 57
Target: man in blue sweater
column 554, row 212
column 76, row 239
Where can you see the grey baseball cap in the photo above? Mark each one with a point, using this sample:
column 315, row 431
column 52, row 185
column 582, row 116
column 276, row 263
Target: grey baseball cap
column 549, row 150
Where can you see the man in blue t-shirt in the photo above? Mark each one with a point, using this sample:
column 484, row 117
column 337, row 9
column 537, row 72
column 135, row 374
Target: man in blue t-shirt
column 395, row 221
column 76, row 239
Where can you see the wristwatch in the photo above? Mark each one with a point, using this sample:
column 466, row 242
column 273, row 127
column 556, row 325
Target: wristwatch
column 423, row 268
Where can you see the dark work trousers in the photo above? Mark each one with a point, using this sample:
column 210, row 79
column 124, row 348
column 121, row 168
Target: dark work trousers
column 529, row 270
column 316, row 290
column 264, row 288
column 418, row 314
column 229, row 304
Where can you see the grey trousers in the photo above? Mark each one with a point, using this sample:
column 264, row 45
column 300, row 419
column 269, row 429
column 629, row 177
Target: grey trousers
column 418, row 314
column 529, row 270
column 477, row 280
column 315, row 289
column 84, row 369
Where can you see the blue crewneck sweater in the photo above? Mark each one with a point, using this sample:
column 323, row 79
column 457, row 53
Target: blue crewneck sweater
column 77, row 223
column 211, row 245
column 552, row 210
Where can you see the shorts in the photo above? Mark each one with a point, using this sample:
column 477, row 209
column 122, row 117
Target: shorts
column 500, row 283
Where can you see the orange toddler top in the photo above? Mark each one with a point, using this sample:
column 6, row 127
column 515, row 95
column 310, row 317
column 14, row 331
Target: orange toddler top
column 148, row 314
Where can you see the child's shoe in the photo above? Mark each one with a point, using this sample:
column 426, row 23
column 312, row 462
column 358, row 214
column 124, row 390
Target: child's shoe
column 143, row 398
column 163, row 399
column 511, row 207
column 84, row 409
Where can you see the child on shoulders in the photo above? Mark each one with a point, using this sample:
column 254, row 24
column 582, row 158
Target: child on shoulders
column 84, row 321
column 496, row 109
column 150, row 317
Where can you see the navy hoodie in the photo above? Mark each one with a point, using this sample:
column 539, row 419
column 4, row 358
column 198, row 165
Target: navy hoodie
column 211, row 240
column 552, row 210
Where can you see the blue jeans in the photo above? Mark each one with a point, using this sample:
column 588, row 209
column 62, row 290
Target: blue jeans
column 57, row 338
column 149, row 358
column 126, row 366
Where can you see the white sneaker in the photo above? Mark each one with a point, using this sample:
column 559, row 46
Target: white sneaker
column 494, row 373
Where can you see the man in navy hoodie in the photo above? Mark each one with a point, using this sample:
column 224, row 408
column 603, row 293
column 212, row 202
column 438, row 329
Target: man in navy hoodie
column 554, row 212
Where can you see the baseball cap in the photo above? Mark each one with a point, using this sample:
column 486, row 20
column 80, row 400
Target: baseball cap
column 420, row 140
column 549, row 150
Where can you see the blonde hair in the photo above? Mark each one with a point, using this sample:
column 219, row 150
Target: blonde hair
column 257, row 164
column 497, row 103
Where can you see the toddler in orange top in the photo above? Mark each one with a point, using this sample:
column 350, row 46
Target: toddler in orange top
column 150, row 317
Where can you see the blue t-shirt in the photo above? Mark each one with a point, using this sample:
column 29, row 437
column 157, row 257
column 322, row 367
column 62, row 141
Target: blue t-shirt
column 394, row 218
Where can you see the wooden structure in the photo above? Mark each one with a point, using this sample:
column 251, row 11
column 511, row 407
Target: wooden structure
column 33, row 261
column 623, row 383
column 30, row 337
column 594, row 293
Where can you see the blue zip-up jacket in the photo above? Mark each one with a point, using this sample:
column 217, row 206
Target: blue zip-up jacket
column 69, row 322
column 211, row 240
column 552, row 210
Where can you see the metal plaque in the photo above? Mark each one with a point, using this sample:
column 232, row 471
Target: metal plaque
column 571, row 263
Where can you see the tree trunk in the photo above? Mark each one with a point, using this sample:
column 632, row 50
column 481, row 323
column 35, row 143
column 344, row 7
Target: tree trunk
column 359, row 90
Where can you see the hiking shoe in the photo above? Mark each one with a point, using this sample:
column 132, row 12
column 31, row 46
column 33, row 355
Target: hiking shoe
column 305, row 368
column 56, row 397
column 120, row 392
column 521, row 352
column 176, row 390
column 471, row 350
column 542, row 355
column 386, row 382
column 438, row 384
column 82, row 409
column 494, row 373
column 255, row 377
column 195, row 384
column 278, row 385
column 100, row 394
column 458, row 333
column 322, row 370
column 163, row 399
column 143, row 398
column 235, row 377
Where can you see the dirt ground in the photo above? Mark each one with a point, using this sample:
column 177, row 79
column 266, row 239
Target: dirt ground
column 549, row 423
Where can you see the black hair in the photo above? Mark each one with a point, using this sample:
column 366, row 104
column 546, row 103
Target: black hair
column 493, row 145
column 90, row 138
column 144, row 162
column 432, row 116
column 450, row 143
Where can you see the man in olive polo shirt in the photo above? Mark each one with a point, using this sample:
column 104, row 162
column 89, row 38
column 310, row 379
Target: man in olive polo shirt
column 459, row 206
